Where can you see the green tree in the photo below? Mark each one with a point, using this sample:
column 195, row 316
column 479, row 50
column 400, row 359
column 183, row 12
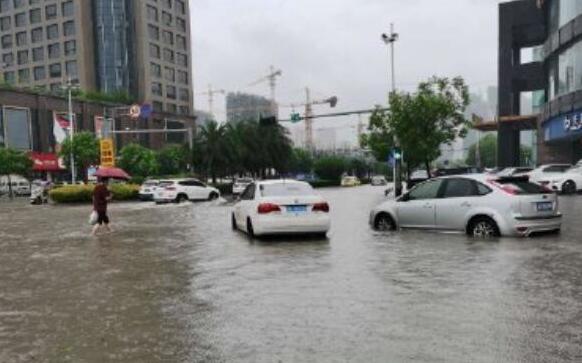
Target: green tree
column 138, row 161
column 330, row 167
column 173, row 159
column 13, row 162
column 487, row 152
column 422, row 121
column 85, row 148
column 214, row 148
column 301, row 161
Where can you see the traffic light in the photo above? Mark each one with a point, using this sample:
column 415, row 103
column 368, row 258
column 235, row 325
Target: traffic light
column 397, row 153
column 295, row 117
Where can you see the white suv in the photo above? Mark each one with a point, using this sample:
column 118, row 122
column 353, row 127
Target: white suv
column 181, row 190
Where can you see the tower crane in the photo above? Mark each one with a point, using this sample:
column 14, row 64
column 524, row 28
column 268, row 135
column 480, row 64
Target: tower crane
column 308, row 104
column 210, row 94
column 272, row 79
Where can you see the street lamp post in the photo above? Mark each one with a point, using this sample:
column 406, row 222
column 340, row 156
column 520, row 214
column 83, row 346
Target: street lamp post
column 390, row 39
column 70, row 86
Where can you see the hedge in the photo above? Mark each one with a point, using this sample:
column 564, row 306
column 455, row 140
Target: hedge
column 325, row 183
column 83, row 193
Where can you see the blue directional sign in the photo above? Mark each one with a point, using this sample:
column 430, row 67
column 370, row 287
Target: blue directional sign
column 145, row 110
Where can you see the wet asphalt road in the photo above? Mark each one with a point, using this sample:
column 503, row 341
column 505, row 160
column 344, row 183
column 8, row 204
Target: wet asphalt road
column 174, row 284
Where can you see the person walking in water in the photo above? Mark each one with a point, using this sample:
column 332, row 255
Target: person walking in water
column 101, row 196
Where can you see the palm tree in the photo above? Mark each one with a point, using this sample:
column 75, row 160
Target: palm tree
column 213, row 147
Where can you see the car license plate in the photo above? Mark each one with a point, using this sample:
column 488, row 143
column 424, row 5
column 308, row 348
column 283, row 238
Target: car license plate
column 545, row 206
column 297, row 208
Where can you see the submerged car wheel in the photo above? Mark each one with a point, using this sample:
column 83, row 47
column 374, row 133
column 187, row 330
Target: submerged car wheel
column 484, row 227
column 250, row 230
column 213, row 196
column 384, row 222
column 233, row 223
column 569, row 187
column 181, row 198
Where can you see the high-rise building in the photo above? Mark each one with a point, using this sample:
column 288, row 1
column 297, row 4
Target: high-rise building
column 248, row 107
column 141, row 47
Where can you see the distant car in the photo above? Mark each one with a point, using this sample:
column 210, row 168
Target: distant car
column 546, row 171
column 566, row 182
column 147, row 189
column 378, row 180
column 350, row 181
column 516, row 171
column 181, row 190
column 479, row 205
column 416, row 177
column 240, row 185
column 281, row 207
column 463, row 170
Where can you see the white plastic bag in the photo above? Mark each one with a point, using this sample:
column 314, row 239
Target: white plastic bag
column 93, row 218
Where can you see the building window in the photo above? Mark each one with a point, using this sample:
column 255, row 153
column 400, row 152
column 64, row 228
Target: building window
column 8, row 59
column 153, row 32
column 171, row 92
column 168, row 55
column 22, row 56
column 4, row 5
column 17, row 128
column 182, row 59
column 181, row 42
column 180, row 7
column 171, row 108
column 184, row 110
column 7, row 41
column 24, row 75
column 35, row 16
column 52, row 31
column 70, row 47
column 157, row 89
column 39, row 73
column 152, row 13
column 181, row 24
column 55, row 70
column 5, row 23
column 68, row 8
column 156, row 70
column 55, row 87
column 71, row 69
column 9, row 77
column 154, row 51
column 33, row 2
column 37, row 54
column 69, row 28
column 54, row 50
column 184, row 94
column 169, row 74
column 167, row 3
column 36, row 35
column 182, row 77
column 166, row 19
column 158, row 106
column 50, row 11
column 168, row 37
column 18, row 4
column 21, row 38
column 20, row 20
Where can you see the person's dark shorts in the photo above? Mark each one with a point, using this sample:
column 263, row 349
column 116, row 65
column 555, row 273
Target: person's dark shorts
column 102, row 218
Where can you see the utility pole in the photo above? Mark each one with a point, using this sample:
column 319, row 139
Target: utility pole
column 308, row 121
column 390, row 39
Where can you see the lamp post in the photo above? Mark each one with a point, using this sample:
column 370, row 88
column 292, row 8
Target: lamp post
column 69, row 86
column 389, row 40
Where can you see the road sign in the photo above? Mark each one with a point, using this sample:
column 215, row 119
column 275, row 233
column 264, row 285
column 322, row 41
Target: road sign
column 295, row 117
column 107, row 154
column 146, row 110
column 134, row 111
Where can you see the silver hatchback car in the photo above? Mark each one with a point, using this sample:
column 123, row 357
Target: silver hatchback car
column 479, row 205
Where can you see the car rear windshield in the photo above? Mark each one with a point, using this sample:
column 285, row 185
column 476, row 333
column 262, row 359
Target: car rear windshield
column 523, row 186
column 150, row 183
column 244, row 181
column 286, row 190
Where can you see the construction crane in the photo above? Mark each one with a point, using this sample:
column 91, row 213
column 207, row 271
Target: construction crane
column 309, row 103
column 210, row 94
column 272, row 79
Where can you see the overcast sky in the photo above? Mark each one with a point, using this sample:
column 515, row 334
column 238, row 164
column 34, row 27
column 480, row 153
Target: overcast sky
column 334, row 47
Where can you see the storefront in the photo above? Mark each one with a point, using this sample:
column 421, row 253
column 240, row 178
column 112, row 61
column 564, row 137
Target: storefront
column 565, row 130
column 46, row 166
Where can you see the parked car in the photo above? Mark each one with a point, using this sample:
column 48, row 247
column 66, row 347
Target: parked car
column 147, row 189
column 281, row 207
column 544, row 172
column 463, row 170
column 350, row 181
column 378, row 180
column 181, row 190
column 240, row 185
column 566, row 182
column 479, row 205
column 515, row 171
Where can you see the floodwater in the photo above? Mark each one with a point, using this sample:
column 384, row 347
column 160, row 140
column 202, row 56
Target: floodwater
column 175, row 284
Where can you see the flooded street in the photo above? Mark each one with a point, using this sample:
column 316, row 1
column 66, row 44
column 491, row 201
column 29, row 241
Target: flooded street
column 174, row 283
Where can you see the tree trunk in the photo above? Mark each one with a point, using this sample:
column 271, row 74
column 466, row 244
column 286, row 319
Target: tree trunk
column 427, row 165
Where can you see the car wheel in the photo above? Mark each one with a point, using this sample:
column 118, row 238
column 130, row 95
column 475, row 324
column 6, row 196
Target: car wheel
column 213, row 196
column 250, row 230
column 181, row 198
column 233, row 223
column 484, row 227
column 384, row 222
column 569, row 187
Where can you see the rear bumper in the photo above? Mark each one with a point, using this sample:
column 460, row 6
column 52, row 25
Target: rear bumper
column 526, row 226
column 278, row 224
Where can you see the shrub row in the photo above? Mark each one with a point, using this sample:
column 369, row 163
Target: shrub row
column 83, row 193
column 325, row 183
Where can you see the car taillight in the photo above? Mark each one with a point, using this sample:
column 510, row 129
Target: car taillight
column 266, row 208
column 170, row 188
column 321, row 207
column 506, row 188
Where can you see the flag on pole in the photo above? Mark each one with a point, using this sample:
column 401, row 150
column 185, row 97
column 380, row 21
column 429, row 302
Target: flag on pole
column 61, row 127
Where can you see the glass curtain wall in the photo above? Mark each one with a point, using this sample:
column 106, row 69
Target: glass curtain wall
column 562, row 12
column 565, row 72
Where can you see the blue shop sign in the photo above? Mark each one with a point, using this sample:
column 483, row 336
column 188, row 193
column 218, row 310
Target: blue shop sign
column 564, row 126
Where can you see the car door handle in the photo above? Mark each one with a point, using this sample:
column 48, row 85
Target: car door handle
column 465, row 204
column 429, row 206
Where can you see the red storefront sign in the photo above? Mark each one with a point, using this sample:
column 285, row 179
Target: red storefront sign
column 45, row 162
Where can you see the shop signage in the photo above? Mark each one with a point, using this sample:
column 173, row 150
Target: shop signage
column 573, row 122
column 107, row 154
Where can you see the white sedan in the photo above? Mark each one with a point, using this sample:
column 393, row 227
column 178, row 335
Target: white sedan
column 281, row 207
column 479, row 205
column 567, row 182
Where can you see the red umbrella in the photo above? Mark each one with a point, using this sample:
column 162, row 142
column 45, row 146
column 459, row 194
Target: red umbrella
column 113, row 173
